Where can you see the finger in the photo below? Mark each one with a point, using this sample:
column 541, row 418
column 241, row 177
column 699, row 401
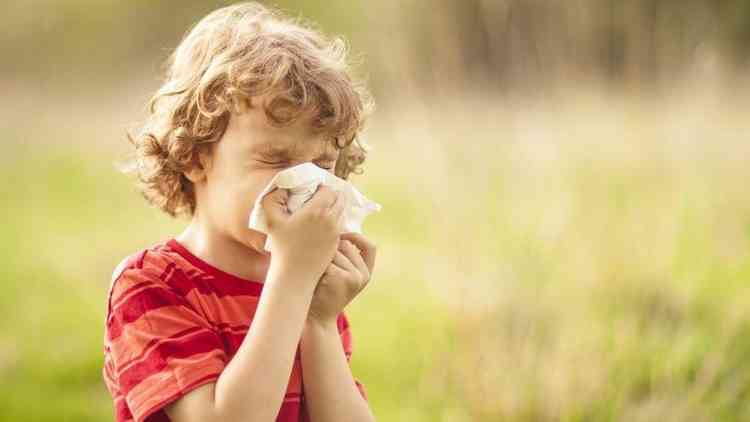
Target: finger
column 352, row 253
column 335, row 272
column 338, row 208
column 366, row 248
column 324, row 197
column 276, row 196
column 343, row 262
column 275, row 204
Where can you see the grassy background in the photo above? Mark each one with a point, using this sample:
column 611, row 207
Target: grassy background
column 581, row 260
column 565, row 233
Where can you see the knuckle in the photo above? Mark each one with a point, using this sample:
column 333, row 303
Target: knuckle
column 324, row 223
column 366, row 243
column 351, row 286
column 330, row 221
column 325, row 192
column 319, row 214
column 356, row 278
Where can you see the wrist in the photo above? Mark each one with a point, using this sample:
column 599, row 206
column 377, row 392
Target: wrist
column 317, row 331
column 280, row 271
column 321, row 323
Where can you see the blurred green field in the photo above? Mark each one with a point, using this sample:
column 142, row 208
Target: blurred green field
column 577, row 260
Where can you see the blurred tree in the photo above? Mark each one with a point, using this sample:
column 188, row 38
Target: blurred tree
column 498, row 43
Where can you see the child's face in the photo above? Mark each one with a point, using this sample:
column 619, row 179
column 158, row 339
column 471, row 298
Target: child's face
column 244, row 161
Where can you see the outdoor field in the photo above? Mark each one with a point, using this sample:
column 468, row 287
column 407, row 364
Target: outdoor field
column 577, row 255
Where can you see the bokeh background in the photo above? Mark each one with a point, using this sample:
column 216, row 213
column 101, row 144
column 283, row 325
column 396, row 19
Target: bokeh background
column 566, row 225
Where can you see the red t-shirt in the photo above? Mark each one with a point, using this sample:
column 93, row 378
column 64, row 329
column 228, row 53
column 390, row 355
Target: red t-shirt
column 172, row 324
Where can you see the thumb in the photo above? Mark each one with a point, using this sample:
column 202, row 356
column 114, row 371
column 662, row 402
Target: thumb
column 274, row 205
column 323, row 197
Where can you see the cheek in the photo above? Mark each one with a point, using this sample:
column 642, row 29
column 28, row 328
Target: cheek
column 246, row 194
column 256, row 184
column 233, row 194
column 227, row 203
column 252, row 238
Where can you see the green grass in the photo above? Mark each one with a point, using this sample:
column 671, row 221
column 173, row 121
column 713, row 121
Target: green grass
column 585, row 261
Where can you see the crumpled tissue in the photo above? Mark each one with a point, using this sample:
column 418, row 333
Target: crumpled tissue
column 302, row 180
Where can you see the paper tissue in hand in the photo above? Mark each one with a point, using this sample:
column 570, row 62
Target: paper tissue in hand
column 302, row 181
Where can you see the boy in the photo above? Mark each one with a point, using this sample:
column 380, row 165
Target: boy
column 208, row 326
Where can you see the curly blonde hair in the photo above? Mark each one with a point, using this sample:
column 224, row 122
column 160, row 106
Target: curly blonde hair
column 230, row 56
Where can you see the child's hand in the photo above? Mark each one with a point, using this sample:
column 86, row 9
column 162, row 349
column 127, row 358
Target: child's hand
column 346, row 276
column 307, row 239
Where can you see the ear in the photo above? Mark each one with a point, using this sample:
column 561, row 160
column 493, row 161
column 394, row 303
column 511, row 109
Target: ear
column 201, row 164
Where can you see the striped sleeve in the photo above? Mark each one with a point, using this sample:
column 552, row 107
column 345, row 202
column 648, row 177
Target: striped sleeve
column 160, row 347
column 346, row 340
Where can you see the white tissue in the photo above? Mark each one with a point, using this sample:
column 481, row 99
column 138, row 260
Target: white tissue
column 302, row 180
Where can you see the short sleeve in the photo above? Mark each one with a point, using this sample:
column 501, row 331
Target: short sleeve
column 347, row 341
column 159, row 347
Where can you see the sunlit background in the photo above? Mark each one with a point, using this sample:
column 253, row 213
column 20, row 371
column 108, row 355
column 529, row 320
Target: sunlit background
column 565, row 232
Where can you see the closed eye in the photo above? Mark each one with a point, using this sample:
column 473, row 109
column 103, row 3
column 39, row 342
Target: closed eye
column 274, row 163
column 326, row 166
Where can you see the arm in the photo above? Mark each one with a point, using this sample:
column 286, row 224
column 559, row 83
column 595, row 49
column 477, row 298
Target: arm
column 266, row 353
column 252, row 385
column 332, row 395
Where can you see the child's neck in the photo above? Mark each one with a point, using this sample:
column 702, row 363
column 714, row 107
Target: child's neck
column 223, row 252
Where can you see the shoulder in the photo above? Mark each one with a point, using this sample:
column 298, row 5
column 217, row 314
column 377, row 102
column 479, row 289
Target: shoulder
column 158, row 346
column 152, row 260
column 151, row 265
